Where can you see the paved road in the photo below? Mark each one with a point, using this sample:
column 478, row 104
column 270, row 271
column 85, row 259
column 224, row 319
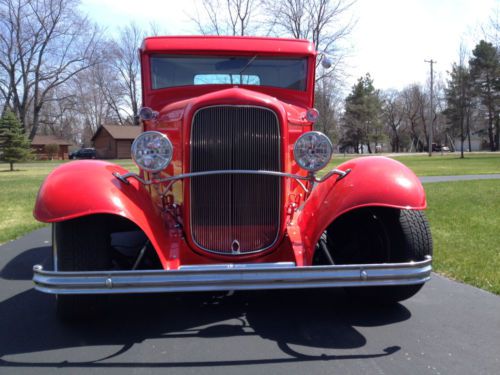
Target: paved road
column 448, row 328
column 467, row 177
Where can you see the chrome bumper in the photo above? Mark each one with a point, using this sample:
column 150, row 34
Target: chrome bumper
column 231, row 277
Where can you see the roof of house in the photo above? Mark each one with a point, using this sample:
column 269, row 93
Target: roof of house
column 50, row 140
column 120, row 131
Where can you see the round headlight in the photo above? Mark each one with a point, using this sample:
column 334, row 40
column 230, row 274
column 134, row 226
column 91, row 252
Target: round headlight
column 152, row 151
column 313, row 151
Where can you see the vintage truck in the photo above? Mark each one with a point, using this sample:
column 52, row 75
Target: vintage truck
column 228, row 196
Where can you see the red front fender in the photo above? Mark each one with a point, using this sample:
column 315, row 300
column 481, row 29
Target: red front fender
column 83, row 188
column 373, row 181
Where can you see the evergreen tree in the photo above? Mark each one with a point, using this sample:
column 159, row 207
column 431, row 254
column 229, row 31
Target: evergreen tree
column 14, row 145
column 362, row 118
column 485, row 73
column 459, row 101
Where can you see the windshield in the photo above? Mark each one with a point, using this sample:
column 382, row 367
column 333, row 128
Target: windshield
column 173, row 71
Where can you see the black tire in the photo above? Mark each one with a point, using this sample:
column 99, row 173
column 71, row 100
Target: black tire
column 379, row 235
column 81, row 244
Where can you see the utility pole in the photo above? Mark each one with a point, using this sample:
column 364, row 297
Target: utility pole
column 431, row 112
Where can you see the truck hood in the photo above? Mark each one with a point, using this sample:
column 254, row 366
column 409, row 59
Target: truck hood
column 177, row 111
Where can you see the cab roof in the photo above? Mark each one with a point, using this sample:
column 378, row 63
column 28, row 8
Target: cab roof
column 227, row 44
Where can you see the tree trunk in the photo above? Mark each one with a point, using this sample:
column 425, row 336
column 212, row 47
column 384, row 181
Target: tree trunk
column 36, row 120
column 497, row 135
column 21, row 112
column 492, row 139
column 462, row 135
column 11, row 167
column 491, row 127
column 468, row 131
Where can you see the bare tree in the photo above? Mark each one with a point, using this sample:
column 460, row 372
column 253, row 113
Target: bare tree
column 491, row 30
column 321, row 21
column 43, row 44
column 414, row 110
column 106, row 92
column 393, row 114
column 441, row 133
column 54, row 113
column 126, row 64
column 324, row 23
column 92, row 104
column 328, row 103
column 155, row 29
column 288, row 17
column 225, row 17
column 114, row 93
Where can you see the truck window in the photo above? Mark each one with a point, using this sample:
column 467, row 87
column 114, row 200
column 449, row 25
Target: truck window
column 226, row 79
column 173, row 71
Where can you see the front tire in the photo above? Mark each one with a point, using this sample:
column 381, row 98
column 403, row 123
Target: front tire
column 378, row 235
column 81, row 244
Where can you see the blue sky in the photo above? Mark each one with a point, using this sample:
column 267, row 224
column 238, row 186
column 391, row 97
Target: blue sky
column 391, row 40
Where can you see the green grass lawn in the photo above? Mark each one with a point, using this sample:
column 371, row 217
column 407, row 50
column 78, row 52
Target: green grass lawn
column 18, row 191
column 447, row 164
column 465, row 225
column 464, row 216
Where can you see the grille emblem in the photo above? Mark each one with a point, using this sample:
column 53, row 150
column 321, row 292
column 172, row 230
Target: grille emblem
column 235, row 247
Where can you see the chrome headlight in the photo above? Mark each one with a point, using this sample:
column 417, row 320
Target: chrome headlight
column 313, row 151
column 152, row 151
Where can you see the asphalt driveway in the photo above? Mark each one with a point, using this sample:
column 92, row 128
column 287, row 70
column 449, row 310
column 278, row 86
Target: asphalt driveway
column 448, row 328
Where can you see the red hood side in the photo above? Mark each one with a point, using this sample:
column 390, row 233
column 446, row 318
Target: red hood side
column 293, row 113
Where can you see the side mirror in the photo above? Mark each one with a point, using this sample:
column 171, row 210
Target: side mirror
column 146, row 114
column 326, row 62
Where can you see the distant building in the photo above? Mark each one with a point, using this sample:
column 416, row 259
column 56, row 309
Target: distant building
column 478, row 142
column 114, row 141
column 39, row 143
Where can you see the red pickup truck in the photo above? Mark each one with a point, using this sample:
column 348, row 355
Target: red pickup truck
column 228, row 196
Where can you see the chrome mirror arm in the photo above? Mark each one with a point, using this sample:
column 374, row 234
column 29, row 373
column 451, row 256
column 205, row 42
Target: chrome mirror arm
column 341, row 174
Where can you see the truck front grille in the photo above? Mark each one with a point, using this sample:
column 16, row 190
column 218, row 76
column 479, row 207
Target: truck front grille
column 235, row 214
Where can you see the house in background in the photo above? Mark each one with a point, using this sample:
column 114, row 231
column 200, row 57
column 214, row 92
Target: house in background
column 39, row 143
column 478, row 142
column 114, row 141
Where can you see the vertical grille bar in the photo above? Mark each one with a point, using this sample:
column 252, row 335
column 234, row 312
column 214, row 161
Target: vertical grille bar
column 229, row 208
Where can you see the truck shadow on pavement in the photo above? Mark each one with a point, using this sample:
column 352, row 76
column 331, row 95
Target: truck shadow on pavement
column 21, row 267
column 306, row 325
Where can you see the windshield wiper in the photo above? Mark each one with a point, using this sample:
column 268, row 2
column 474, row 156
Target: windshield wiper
column 247, row 65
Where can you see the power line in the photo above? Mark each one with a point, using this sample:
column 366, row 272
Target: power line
column 431, row 111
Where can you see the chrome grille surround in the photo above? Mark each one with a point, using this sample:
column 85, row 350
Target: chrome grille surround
column 228, row 209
